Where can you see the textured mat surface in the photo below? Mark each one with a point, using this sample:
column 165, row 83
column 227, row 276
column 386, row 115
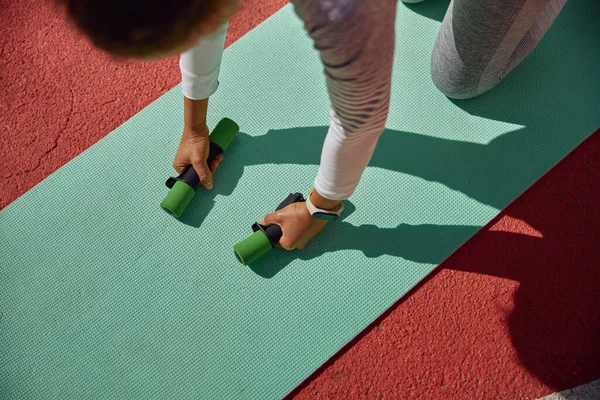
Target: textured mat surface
column 99, row 298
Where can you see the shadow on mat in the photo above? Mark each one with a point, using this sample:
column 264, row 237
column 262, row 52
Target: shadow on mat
column 429, row 244
column 432, row 9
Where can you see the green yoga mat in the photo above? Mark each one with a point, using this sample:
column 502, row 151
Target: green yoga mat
column 103, row 295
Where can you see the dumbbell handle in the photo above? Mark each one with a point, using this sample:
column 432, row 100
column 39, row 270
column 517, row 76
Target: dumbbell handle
column 272, row 231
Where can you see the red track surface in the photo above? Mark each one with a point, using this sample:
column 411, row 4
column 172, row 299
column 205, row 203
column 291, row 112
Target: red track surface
column 512, row 314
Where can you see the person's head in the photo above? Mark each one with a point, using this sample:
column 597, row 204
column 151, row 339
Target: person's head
column 148, row 29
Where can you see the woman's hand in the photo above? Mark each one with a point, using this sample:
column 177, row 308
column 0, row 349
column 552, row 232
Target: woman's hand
column 194, row 148
column 297, row 225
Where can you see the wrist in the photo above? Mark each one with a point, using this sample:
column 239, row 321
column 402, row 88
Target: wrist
column 322, row 202
column 195, row 131
column 194, row 116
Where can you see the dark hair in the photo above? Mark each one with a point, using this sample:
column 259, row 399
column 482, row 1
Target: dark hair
column 137, row 27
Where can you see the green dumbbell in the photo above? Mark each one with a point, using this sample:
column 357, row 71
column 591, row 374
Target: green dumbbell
column 183, row 187
column 264, row 238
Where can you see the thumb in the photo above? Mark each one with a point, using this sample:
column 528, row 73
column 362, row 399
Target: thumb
column 179, row 167
column 203, row 173
column 271, row 219
column 179, row 164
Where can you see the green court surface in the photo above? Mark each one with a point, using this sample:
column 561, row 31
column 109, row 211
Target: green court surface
column 104, row 295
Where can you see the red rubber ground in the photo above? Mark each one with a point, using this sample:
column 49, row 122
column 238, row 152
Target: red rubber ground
column 513, row 314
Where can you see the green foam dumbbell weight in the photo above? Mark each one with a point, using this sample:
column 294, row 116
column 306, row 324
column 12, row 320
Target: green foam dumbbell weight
column 183, row 187
column 264, row 237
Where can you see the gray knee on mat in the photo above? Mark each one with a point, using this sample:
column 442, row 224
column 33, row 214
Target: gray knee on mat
column 455, row 76
column 454, row 79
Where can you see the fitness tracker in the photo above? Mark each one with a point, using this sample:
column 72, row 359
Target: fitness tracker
column 319, row 213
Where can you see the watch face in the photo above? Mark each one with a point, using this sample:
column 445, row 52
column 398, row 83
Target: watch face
column 328, row 217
